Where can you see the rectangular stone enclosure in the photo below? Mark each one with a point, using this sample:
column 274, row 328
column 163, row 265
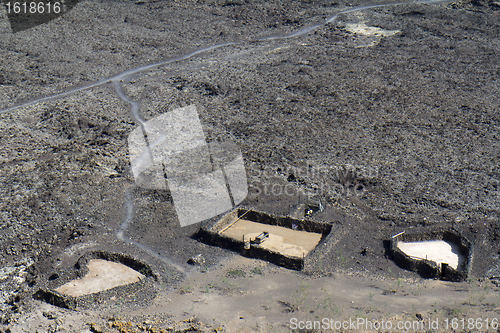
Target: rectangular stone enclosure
column 281, row 240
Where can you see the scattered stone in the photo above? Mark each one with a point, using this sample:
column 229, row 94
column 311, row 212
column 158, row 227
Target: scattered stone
column 50, row 315
column 289, row 308
column 234, row 2
column 11, row 279
column 495, row 4
column 96, row 328
column 197, row 260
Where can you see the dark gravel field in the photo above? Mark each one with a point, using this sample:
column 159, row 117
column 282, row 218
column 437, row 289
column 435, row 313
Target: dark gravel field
column 386, row 118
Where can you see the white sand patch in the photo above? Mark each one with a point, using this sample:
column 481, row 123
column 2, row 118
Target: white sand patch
column 374, row 34
column 102, row 275
column 437, row 250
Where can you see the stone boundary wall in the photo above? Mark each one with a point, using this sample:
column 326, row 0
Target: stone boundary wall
column 430, row 269
column 210, row 234
column 47, row 293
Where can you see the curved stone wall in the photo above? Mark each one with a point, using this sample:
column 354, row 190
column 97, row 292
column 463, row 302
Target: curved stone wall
column 428, row 268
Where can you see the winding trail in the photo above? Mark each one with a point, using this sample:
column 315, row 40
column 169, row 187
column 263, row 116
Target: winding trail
column 135, row 110
column 124, row 75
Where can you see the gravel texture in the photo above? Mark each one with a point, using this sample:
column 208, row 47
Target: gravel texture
column 386, row 133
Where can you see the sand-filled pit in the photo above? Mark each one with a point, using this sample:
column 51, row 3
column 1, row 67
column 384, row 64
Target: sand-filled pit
column 287, row 241
column 102, row 275
column 439, row 251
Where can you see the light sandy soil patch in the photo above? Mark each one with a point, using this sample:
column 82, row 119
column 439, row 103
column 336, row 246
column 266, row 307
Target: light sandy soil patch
column 291, row 242
column 102, row 275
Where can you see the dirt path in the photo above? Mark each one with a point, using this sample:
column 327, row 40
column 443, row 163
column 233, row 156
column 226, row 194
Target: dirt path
column 247, row 295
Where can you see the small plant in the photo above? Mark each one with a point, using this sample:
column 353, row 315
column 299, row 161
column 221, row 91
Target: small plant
column 120, row 301
column 328, row 304
column 391, row 273
column 256, row 270
column 71, row 304
column 473, row 282
column 319, row 264
column 146, row 271
column 209, row 286
column 235, row 273
column 455, row 313
column 340, row 256
column 400, row 284
column 303, row 292
column 370, row 297
column 185, row 290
